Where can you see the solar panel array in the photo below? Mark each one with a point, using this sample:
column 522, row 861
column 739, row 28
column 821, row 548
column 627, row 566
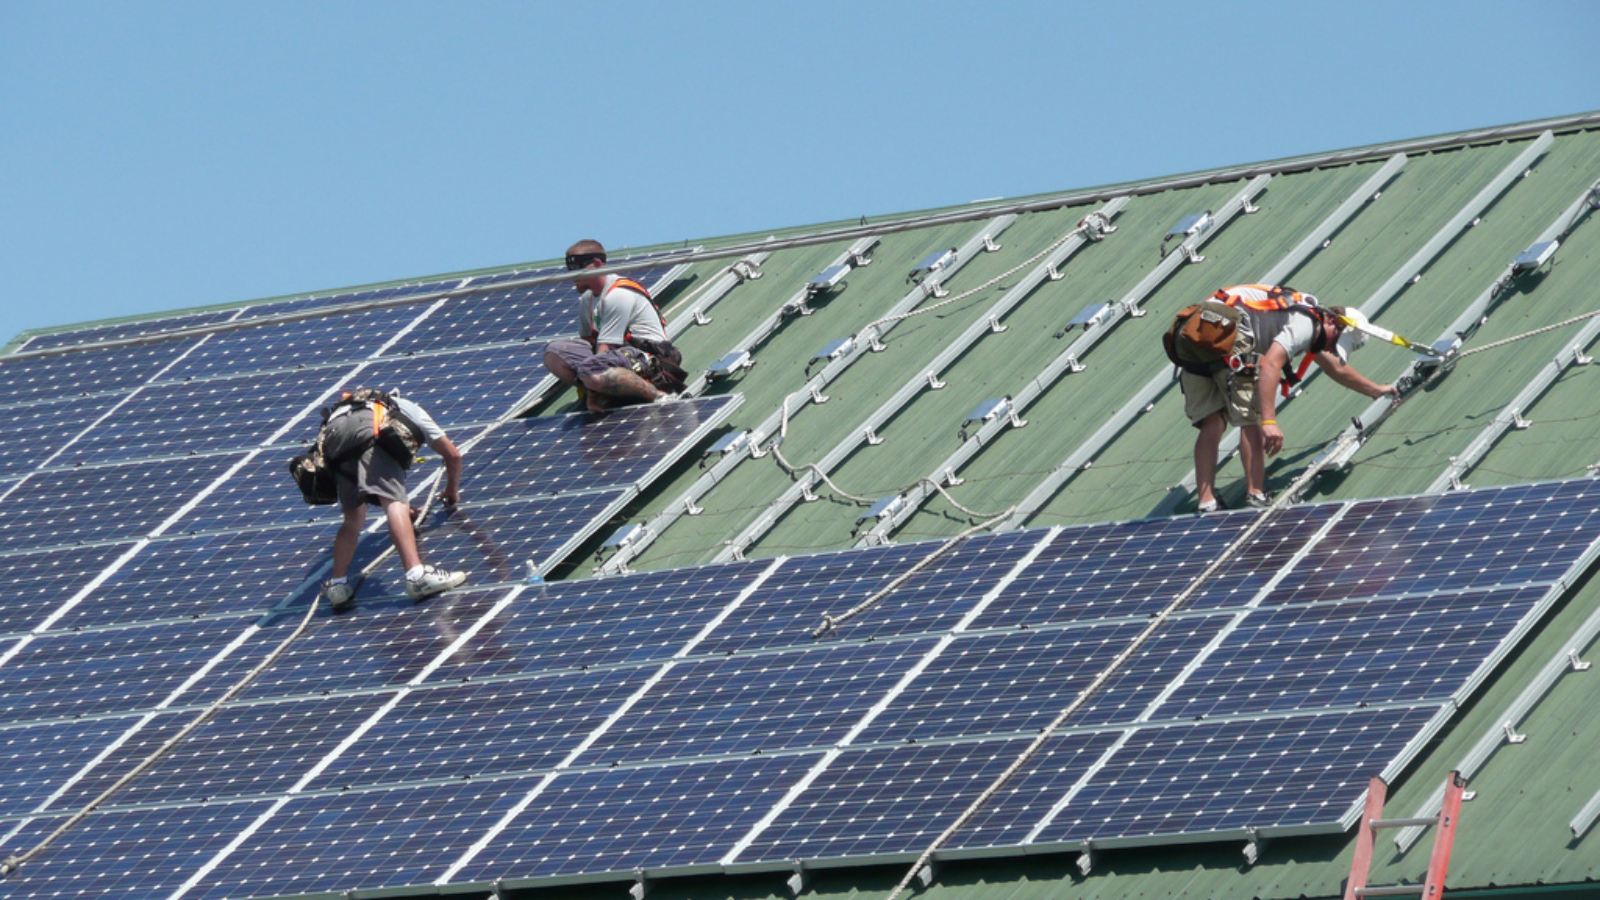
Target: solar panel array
column 687, row 718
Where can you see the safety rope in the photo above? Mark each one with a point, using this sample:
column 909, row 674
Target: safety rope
column 1525, row 335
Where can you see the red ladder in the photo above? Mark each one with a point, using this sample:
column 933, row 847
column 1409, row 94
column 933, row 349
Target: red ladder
column 1432, row 888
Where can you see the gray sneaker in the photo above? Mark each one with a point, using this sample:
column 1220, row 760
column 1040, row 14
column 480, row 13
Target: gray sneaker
column 1258, row 501
column 339, row 595
column 433, row 581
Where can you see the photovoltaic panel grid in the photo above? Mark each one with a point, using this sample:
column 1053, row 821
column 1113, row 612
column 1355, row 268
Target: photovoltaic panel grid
column 679, row 720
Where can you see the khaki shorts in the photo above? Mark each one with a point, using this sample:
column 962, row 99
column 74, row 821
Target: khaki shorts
column 1222, row 392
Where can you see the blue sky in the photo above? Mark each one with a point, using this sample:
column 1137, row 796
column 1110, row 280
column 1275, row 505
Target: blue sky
column 161, row 155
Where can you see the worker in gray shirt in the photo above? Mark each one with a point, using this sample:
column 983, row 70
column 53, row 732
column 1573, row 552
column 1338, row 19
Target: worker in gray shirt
column 621, row 353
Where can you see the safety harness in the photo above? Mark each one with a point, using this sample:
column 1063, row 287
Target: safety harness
column 1201, row 339
column 664, row 369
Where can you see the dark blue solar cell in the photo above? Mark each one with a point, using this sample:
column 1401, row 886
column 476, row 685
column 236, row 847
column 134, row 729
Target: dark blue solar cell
column 1363, row 652
column 791, row 604
column 133, row 853
column 322, row 341
column 1028, row 796
column 84, row 372
column 497, row 542
column 39, row 583
column 757, row 704
column 887, row 799
column 1196, row 779
column 225, row 574
column 250, row 750
column 1125, row 569
column 1267, row 552
column 507, row 315
column 1016, row 682
column 585, row 451
column 262, row 494
column 103, row 503
column 672, row 815
column 476, row 730
column 95, row 333
column 601, row 621
column 202, row 416
column 121, row 670
column 372, row 646
column 352, row 840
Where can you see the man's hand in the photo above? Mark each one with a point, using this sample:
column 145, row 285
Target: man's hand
column 450, row 496
column 414, row 512
column 1387, row 390
column 1271, row 437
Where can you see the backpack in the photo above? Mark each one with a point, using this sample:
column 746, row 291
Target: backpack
column 1201, row 337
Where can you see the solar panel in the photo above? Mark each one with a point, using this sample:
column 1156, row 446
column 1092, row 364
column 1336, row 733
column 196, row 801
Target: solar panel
column 461, row 731
column 619, row 819
column 466, row 386
column 49, row 579
column 197, row 417
column 308, row 343
column 1196, row 779
column 757, row 704
column 74, row 507
column 39, row 758
column 46, row 428
column 83, row 373
column 146, row 328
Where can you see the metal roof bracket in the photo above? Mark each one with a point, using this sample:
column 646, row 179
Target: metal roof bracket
column 989, row 246
column 1577, row 662
column 747, row 270
column 870, row 435
column 1253, row 846
column 641, row 885
column 951, row 479
column 806, row 494
column 817, row 396
column 927, row 874
column 1096, row 226
column 1086, row 858
column 934, row 384
column 1510, row 730
column 994, row 325
column 797, row 878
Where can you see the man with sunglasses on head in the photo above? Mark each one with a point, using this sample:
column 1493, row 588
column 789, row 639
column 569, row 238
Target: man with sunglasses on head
column 621, row 354
column 1274, row 325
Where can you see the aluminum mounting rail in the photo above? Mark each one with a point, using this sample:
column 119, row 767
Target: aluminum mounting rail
column 856, row 256
column 1070, row 361
column 747, row 269
column 861, row 343
column 1511, row 416
column 1406, row 275
column 987, row 322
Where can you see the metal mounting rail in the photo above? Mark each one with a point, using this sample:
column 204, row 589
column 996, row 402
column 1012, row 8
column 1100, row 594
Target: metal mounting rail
column 746, row 269
column 851, row 257
column 1386, row 293
column 925, row 379
column 688, row 500
column 1350, row 441
column 1511, row 416
column 1067, row 361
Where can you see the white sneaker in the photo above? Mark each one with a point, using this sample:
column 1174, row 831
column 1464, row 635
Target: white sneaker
column 338, row 595
column 433, row 581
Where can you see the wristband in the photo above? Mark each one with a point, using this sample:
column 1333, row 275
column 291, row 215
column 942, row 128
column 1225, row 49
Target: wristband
column 1269, row 421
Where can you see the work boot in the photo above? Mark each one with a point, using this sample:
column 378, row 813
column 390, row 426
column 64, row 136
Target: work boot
column 338, row 595
column 433, row 581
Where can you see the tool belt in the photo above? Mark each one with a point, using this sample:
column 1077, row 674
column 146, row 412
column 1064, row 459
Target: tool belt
column 662, row 364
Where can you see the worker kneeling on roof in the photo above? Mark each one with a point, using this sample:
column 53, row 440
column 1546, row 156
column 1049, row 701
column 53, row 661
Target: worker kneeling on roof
column 1235, row 349
column 621, row 354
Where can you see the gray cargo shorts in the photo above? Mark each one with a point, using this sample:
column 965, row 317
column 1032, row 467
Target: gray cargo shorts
column 583, row 361
column 373, row 476
column 1223, row 392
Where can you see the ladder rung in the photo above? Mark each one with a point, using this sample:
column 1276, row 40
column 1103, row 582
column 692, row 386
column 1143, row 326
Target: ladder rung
column 1397, row 890
column 1375, row 824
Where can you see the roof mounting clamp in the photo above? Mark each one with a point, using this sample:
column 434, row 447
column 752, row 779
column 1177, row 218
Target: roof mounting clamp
column 989, row 246
column 1053, row 273
column 733, row 362
column 807, row 495
column 951, row 479
column 1188, row 227
column 1096, row 226
column 927, row 874
column 940, row 259
column 934, row 289
column 1577, row 662
column 1579, row 359
column 622, row 537
column 1253, row 846
column 730, row 443
column 1518, row 422
column 755, row 446
column 1512, row 737
column 988, row 411
column 994, row 325
column 817, row 396
column 1247, row 207
column 797, row 307
column 689, row 509
column 1534, row 258
column 700, row 317
column 746, row 270
column 831, row 278
column 1089, row 317
column 797, row 878
column 1134, row 310
column 831, row 352
column 862, row 257
column 641, row 885
column 1086, row 859
column 934, row 384
column 883, row 509
column 870, row 435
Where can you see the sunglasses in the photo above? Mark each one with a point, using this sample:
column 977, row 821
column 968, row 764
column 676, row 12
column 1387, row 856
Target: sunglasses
column 576, row 261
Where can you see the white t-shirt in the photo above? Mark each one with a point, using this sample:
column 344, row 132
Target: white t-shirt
column 430, row 429
column 619, row 312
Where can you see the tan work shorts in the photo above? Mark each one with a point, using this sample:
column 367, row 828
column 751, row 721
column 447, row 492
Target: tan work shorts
column 1223, row 392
